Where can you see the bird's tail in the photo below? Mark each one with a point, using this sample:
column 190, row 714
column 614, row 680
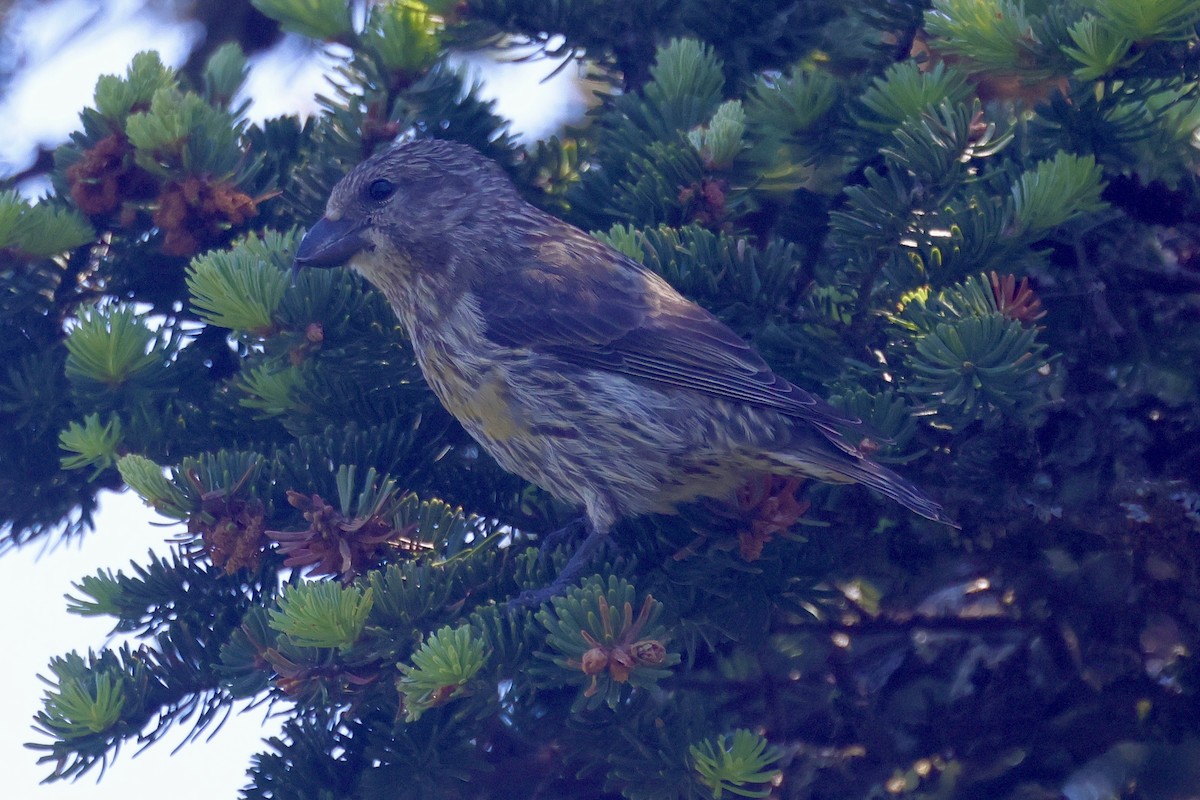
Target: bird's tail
column 835, row 467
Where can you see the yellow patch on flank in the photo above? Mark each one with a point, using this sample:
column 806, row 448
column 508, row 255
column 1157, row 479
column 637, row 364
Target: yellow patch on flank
column 484, row 406
column 490, row 406
column 711, row 484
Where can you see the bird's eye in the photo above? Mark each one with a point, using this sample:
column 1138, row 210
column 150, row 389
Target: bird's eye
column 380, row 190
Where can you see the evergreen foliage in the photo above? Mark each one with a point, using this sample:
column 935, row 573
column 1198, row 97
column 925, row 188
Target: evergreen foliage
column 971, row 223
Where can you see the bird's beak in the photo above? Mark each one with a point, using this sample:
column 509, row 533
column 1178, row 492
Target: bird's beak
column 330, row 243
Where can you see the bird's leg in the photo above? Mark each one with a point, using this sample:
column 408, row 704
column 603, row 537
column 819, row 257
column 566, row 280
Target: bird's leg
column 570, row 572
column 555, row 538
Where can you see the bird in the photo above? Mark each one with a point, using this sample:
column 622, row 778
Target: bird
column 571, row 364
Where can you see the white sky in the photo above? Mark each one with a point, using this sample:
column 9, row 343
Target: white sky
column 35, row 583
column 48, row 98
column 46, row 101
column 69, row 49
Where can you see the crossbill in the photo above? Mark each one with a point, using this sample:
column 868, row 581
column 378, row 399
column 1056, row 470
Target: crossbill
column 571, row 364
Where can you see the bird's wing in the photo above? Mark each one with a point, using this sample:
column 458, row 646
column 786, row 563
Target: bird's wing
column 576, row 298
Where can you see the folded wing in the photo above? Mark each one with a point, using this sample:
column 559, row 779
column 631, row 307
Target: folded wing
column 591, row 306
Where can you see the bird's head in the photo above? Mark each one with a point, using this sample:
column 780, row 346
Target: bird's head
column 406, row 208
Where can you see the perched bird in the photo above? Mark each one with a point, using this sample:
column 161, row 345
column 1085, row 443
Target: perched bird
column 572, row 365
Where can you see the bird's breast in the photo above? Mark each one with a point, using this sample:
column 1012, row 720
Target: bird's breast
column 469, row 378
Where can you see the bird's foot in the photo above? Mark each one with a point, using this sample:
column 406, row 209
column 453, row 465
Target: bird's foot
column 579, row 561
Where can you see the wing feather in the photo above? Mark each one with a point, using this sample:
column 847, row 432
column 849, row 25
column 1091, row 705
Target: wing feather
column 588, row 304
